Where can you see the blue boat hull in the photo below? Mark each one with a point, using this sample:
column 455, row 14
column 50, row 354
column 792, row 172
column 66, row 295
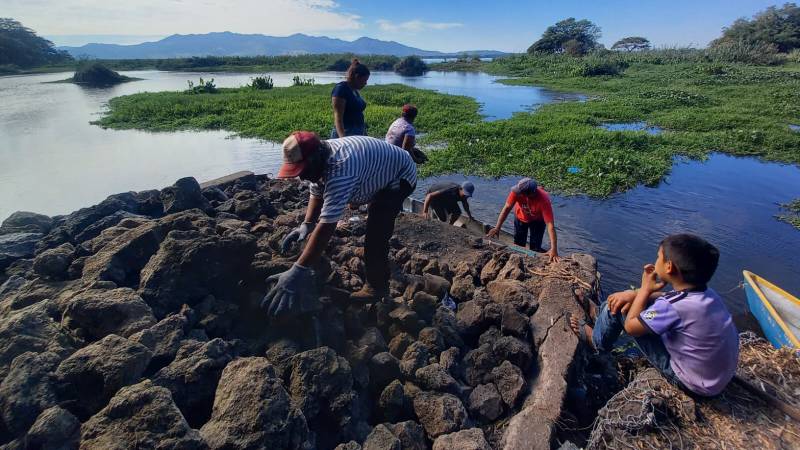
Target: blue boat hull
column 772, row 330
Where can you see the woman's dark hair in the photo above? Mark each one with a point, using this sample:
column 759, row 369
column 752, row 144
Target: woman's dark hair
column 356, row 69
column 696, row 259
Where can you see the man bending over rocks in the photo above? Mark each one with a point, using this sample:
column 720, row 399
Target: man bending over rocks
column 349, row 170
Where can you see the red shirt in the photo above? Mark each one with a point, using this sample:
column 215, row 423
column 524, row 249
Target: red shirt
column 529, row 209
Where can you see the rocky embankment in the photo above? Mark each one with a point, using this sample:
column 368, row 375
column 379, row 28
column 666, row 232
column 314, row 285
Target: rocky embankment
column 134, row 324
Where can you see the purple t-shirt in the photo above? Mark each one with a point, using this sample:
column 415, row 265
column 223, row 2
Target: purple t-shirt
column 699, row 335
column 399, row 129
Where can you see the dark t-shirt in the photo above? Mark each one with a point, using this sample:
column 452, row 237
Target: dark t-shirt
column 353, row 118
column 449, row 197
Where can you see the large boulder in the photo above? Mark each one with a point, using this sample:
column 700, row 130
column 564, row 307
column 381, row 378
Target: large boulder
column 440, row 413
column 410, row 433
column 92, row 375
column 122, row 259
column 193, row 377
column 16, row 246
column 165, row 338
column 31, row 329
column 54, row 263
column 96, row 313
column 321, row 386
column 184, row 194
column 471, row 439
column 434, row 377
column 513, row 292
column 190, row 265
column 27, row 390
column 26, row 222
column 510, row 382
column 381, row 438
column 485, row 403
column 139, row 416
column 79, row 220
column 94, row 230
column 55, row 429
column 394, row 404
column 252, row 410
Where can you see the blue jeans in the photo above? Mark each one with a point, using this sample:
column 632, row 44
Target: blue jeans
column 608, row 327
column 352, row 131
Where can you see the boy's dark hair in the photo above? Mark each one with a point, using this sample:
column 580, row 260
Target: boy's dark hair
column 696, row 259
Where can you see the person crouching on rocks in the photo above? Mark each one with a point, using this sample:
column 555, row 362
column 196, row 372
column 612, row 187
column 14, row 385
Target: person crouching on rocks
column 533, row 212
column 442, row 201
column 350, row 170
column 403, row 134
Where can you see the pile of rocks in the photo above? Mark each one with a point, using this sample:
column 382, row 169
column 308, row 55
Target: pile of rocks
column 134, row 323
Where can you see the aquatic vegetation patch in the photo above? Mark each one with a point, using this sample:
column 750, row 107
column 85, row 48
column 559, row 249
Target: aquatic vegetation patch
column 792, row 215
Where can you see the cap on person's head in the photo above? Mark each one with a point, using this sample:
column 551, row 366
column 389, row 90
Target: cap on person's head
column 526, row 186
column 409, row 110
column 296, row 150
column 468, row 188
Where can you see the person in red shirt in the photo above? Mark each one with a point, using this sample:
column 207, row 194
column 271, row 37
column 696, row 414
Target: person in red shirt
column 533, row 212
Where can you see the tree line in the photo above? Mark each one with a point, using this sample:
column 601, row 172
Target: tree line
column 776, row 29
column 21, row 47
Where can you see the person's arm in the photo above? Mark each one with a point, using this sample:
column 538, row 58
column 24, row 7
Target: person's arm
column 503, row 214
column 553, row 252
column 466, row 208
column 621, row 301
column 409, row 140
column 650, row 284
column 427, row 203
column 339, row 105
column 316, row 244
column 313, row 209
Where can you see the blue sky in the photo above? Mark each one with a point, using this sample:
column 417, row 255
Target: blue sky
column 431, row 25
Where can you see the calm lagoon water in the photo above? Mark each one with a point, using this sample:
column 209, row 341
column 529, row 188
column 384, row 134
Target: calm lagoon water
column 632, row 126
column 53, row 161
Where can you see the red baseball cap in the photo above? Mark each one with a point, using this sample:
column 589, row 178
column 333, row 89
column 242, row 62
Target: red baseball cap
column 296, row 150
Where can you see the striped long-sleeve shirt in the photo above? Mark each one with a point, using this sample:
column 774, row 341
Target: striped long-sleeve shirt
column 359, row 167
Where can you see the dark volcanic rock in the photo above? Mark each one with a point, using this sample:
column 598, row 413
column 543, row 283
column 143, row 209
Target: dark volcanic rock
column 383, row 368
column 55, row 262
column 514, row 350
column 415, row 357
column 192, row 378
column 31, row 329
column 55, row 429
column 191, row 265
column 26, row 222
column 394, row 404
column 471, row 321
column 140, row 416
column 184, row 194
column 252, row 410
column 164, row 338
column 321, row 387
column 94, row 314
column 381, row 438
column 514, row 323
column 509, row 381
column 434, row 378
column 471, row 439
column 479, row 364
column 78, row 221
column 92, row 375
column 15, row 246
column 111, row 220
column 440, row 413
column 121, row 259
column 410, row 433
column 485, row 403
column 27, row 390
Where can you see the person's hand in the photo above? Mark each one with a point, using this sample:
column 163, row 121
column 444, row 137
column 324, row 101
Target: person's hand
column 296, row 235
column 493, row 232
column 621, row 301
column 553, row 255
column 293, row 292
column 650, row 281
column 423, row 214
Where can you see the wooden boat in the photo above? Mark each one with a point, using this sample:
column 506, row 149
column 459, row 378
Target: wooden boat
column 777, row 311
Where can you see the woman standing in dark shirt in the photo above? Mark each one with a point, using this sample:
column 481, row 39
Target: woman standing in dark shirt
column 348, row 106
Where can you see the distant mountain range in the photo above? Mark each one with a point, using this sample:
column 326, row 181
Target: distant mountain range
column 234, row 44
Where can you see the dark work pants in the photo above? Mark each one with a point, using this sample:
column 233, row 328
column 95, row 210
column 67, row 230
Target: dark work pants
column 382, row 212
column 446, row 211
column 536, row 229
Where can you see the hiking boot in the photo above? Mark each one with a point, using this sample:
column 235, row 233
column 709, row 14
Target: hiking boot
column 369, row 294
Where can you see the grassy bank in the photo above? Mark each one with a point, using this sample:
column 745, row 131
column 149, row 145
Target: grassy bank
column 703, row 106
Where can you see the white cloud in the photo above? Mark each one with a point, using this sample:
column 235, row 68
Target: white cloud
column 164, row 17
column 415, row 25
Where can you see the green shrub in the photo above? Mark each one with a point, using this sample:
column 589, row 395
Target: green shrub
column 794, row 56
column 747, row 53
column 203, row 87
column 297, row 81
column 96, row 74
column 592, row 67
column 264, row 82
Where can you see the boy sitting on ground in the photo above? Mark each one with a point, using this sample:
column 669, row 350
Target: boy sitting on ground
column 688, row 333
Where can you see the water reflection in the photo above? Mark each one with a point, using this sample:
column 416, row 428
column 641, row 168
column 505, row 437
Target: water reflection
column 730, row 201
column 632, row 126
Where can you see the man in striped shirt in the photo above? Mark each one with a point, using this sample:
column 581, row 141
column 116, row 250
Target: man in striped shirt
column 349, row 170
